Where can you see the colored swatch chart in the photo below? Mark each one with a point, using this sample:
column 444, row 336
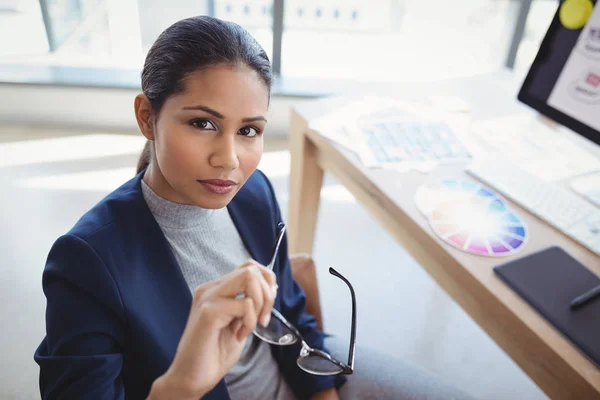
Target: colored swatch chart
column 471, row 217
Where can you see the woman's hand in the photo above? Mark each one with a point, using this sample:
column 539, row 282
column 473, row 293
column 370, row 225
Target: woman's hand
column 217, row 329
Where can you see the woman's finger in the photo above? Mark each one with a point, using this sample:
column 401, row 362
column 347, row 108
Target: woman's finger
column 245, row 280
column 222, row 312
column 268, row 301
column 235, row 325
column 235, row 282
column 250, row 318
column 269, row 286
column 255, row 288
column 269, row 276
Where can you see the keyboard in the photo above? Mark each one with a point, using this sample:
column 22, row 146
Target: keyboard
column 588, row 186
column 392, row 142
column 555, row 205
column 535, row 147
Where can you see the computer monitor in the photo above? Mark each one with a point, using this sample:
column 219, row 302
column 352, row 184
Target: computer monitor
column 563, row 82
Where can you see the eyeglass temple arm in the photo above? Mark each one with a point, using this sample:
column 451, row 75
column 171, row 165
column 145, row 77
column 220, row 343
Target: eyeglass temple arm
column 281, row 232
column 353, row 328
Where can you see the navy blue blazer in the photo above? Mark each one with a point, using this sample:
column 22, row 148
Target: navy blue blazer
column 117, row 302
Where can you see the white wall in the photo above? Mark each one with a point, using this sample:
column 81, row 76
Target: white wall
column 97, row 108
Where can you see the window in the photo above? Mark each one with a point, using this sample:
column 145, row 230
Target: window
column 110, row 33
column 404, row 40
column 375, row 40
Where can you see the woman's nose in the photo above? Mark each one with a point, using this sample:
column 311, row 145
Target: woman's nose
column 224, row 154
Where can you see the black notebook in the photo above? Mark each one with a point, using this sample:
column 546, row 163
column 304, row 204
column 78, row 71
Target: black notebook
column 548, row 280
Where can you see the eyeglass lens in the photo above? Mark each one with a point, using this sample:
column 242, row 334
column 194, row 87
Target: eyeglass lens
column 276, row 332
column 318, row 365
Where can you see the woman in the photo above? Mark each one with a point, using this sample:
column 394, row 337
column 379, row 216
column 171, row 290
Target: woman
column 143, row 293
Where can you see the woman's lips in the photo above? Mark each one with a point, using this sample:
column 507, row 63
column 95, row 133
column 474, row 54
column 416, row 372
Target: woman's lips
column 218, row 186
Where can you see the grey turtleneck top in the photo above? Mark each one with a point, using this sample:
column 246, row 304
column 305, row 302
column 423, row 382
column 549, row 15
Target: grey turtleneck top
column 207, row 246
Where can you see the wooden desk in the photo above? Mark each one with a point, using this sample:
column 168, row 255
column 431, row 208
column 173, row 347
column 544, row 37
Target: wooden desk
column 557, row 367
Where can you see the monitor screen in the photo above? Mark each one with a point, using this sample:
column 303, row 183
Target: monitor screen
column 563, row 82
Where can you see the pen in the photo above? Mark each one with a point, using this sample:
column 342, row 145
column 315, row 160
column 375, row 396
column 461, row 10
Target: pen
column 585, row 298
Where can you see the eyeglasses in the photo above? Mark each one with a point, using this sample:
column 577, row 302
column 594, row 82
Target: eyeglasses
column 281, row 332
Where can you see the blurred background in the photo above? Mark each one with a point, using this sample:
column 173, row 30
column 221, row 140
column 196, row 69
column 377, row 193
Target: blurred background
column 328, row 39
column 317, row 47
column 69, row 70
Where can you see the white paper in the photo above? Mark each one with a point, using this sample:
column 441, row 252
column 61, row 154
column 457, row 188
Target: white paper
column 346, row 126
column 337, row 125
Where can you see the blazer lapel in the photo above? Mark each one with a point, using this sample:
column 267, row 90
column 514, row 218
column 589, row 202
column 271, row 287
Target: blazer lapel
column 163, row 263
column 160, row 270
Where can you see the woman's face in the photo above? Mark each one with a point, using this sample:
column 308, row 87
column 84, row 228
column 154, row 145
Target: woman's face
column 208, row 139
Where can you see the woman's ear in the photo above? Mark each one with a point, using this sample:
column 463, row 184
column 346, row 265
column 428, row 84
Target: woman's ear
column 144, row 116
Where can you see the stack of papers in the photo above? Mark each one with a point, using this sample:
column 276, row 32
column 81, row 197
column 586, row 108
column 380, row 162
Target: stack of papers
column 388, row 133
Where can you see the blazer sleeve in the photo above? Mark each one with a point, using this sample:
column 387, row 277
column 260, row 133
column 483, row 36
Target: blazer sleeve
column 82, row 354
column 293, row 303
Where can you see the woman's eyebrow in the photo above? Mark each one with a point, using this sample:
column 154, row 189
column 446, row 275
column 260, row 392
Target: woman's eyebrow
column 221, row 116
column 204, row 108
column 259, row 118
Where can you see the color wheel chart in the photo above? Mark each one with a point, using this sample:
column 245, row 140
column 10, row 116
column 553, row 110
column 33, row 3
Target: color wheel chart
column 471, row 217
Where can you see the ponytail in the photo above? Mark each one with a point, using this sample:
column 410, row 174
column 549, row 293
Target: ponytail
column 145, row 157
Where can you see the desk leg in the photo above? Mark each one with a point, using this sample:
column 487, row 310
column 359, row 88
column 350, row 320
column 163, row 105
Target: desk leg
column 306, row 180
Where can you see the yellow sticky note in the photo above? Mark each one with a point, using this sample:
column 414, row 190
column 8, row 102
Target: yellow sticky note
column 574, row 14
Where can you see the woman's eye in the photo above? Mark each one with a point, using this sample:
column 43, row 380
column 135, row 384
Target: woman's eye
column 249, row 131
column 203, row 124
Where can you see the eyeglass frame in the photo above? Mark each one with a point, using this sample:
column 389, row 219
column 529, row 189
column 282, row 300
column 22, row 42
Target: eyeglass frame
column 306, row 350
